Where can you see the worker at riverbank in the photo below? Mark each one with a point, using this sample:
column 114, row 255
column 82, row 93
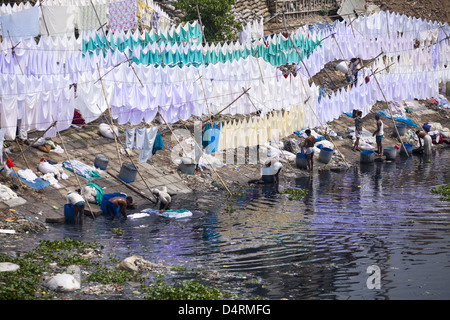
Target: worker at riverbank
column 77, row 201
column 164, row 199
column 358, row 130
column 427, row 141
column 118, row 205
column 379, row 133
column 309, row 145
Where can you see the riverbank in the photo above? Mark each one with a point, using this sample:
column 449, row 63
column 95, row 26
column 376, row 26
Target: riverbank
column 46, row 205
column 30, row 220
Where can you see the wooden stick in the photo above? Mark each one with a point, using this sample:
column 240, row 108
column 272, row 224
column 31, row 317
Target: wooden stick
column 132, row 161
column 74, row 172
column 14, row 170
column 296, row 49
column 171, row 131
column 107, row 43
column 245, row 91
column 212, row 167
column 110, row 116
column 43, row 17
column 206, row 100
column 40, row 136
column 15, row 55
column 392, row 115
column 23, row 155
column 201, row 25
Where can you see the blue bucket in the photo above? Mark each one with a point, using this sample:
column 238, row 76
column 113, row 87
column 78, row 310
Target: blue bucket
column 408, row 147
column 390, row 153
column 401, row 128
column 325, row 155
column 68, row 213
column 367, row 156
column 301, row 161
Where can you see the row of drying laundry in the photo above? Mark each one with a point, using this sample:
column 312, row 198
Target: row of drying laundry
column 132, row 102
column 251, row 31
column 37, row 111
column 385, row 22
column 37, row 102
column 350, row 47
column 278, row 124
column 152, row 4
column 259, row 130
column 54, row 20
column 40, row 62
column 144, row 46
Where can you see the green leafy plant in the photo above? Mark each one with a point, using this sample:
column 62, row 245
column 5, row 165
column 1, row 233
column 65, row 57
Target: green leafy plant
column 110, row 276
column 219, row 24
column 444, row 191
column 295, row 194
column 188, row 290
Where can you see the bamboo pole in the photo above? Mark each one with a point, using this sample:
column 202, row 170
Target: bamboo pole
column 40, row 136
column 212, row 167
column 14, row 170
column 110, row 117
column 13, row 53
column 23, row 155
column 245, row 91
column 107, row 43
column 308, row 98
column 132, row 161
column 392, row 116
column 206, row 100
column 296, row 49
column 73, row 169
column 43, row 18
column 170, row 128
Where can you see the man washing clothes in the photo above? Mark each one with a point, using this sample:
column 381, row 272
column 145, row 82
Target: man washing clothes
column 164, row 199
column 75, row 199
column 119, row 203
column 427, row 141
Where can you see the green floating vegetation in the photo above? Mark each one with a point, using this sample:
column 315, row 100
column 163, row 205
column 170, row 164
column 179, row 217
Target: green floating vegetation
column 24, row 284
column 295, row 194
column 111, row 276
column 444, row 191
column 188, row 290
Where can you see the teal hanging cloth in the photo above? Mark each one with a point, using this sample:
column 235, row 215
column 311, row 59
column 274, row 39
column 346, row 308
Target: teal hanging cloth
column 158, row 144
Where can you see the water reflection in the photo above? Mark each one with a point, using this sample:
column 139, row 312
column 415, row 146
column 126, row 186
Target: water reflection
column 319, row 247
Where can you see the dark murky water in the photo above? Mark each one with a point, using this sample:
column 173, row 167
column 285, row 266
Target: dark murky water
column 380, row 215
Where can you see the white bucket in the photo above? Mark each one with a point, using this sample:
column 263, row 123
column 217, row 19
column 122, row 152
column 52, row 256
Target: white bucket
column 342, row 66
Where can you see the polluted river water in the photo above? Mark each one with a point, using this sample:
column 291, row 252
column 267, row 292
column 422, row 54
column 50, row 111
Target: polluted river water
column 372, row 232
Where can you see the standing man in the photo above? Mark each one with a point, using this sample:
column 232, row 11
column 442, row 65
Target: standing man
column 77, row 201
column 379, row 133
column 309, row 145
column 358, row 130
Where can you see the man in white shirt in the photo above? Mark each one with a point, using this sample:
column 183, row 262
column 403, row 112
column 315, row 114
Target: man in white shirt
column 164, row 199
column 379, row 134
column 77, row 201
